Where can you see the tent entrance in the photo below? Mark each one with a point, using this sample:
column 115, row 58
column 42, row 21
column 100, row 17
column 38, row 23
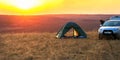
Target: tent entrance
column 71, row 33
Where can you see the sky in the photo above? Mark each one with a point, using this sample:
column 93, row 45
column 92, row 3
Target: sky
column 59, row 7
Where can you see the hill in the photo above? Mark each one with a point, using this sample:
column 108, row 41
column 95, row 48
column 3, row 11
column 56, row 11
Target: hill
column 37, row 38
column 48, row 23
column 44, row 46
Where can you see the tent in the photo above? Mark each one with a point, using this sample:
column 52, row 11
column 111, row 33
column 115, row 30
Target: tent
column 77, row 31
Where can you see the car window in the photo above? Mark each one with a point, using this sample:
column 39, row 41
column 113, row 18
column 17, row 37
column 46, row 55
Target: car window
column 112, row 23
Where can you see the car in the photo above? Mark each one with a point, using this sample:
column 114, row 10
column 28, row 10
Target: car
column 110, row 29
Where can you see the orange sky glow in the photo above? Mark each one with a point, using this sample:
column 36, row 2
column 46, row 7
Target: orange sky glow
column 36, row 7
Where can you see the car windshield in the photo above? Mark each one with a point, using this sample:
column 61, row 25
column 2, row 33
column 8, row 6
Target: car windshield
column 112, row 23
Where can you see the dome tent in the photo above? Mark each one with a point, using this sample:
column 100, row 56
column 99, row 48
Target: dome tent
column 77, row 33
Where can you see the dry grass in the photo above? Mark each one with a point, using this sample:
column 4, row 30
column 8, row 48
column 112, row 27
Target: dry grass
column 44, row 46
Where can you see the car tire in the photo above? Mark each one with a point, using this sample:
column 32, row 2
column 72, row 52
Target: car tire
column 100, row 37
column 116, row 38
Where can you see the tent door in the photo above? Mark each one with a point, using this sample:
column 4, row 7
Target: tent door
column 75, row 33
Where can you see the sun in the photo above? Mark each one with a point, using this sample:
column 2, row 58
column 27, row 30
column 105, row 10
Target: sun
column 26, row 4
column 29, row 7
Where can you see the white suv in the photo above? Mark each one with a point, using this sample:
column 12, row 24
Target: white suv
column 110, row 28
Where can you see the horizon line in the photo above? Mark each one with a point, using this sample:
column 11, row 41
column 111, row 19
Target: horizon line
column 55, row 14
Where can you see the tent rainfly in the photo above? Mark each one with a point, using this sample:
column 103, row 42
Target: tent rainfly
column 77, row 31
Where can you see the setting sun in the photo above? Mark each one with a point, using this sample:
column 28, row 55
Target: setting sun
column 26, row 4
column 26, row 7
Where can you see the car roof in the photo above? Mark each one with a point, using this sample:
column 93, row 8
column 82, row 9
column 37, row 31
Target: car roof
column 113, row 20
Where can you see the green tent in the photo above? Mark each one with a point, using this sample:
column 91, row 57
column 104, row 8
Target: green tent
column 77, row 31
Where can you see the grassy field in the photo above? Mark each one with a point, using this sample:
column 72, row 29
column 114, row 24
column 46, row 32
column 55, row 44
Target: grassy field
column 44, row 46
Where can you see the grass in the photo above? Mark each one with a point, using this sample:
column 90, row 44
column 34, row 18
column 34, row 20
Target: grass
column 44, row 46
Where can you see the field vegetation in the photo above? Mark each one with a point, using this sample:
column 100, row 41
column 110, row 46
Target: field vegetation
column 44, row 46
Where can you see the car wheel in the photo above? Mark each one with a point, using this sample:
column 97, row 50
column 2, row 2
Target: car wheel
column 100, row 37
column 116, row 38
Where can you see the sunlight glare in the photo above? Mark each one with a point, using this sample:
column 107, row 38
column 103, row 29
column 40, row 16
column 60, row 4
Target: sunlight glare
column 26, row 7
column 25, row 4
